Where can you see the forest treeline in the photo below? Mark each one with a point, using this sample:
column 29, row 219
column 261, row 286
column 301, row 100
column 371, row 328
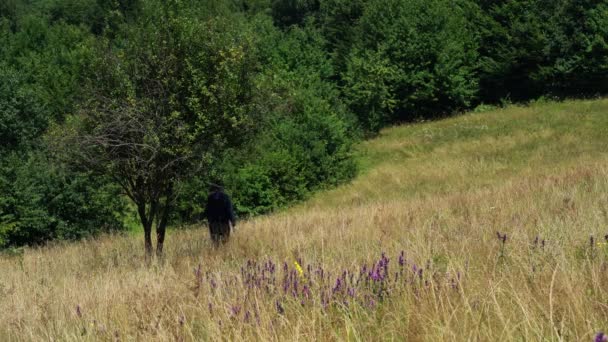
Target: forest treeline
column 265, row 96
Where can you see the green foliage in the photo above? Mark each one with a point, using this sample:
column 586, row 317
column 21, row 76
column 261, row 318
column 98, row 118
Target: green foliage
column 292, row 83
column 577, row 50
column 530, row 48
column 50, row 59
column 23, row 116
column 301, row 151
column 41, row 201
column 305, row 138
column 413, row 59
column 292, row 12
column 338, row 21
column 164, row 103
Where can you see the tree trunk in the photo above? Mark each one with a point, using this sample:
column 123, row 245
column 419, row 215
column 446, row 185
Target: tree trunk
column 148, row 242
column 147, row 224
column 160, row 240
column 162, row 223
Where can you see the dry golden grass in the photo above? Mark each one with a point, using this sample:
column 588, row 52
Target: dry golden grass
column 438, row 191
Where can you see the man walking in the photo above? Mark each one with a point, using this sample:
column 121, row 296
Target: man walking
column 220, row 215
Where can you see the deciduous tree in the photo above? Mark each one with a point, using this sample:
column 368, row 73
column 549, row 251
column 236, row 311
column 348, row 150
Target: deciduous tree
column 165, row 100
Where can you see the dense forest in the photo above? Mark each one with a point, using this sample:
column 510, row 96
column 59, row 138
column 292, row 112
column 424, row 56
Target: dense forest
column 113, row 108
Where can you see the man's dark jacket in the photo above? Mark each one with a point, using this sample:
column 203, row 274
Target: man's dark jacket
column 219, row 208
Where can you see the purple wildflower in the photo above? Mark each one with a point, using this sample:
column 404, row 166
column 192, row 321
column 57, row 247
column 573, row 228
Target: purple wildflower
column 402, row 259
column 376, row 275
column 338, row 286
column 306, row 291
column 78, row 311
column 601, row 337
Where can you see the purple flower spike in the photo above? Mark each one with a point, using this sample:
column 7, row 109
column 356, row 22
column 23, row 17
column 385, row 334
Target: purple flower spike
column 247, row 316
column 338, row 285
column 402, row 259
column 601, row 337
column 78, row 311
column 306, row 291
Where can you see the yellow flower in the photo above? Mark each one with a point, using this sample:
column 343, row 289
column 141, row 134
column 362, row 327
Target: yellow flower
column 299, row 269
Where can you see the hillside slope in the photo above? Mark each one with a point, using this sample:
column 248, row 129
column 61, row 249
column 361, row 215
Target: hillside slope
column 484, row 226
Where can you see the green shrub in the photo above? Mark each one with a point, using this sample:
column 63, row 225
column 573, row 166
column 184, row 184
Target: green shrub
column 41, row 201
column 531, row 48
column 305, row 138
column 304, row 151
column 410, row 59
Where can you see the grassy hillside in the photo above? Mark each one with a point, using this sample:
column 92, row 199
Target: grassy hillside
column 501, row 217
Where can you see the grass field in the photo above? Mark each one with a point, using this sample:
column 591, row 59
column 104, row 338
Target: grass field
column 485, row 226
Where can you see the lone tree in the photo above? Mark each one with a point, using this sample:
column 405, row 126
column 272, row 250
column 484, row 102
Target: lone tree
column 167, row 97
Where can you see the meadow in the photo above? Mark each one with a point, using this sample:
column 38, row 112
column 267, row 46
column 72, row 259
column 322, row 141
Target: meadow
column 491, row 225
